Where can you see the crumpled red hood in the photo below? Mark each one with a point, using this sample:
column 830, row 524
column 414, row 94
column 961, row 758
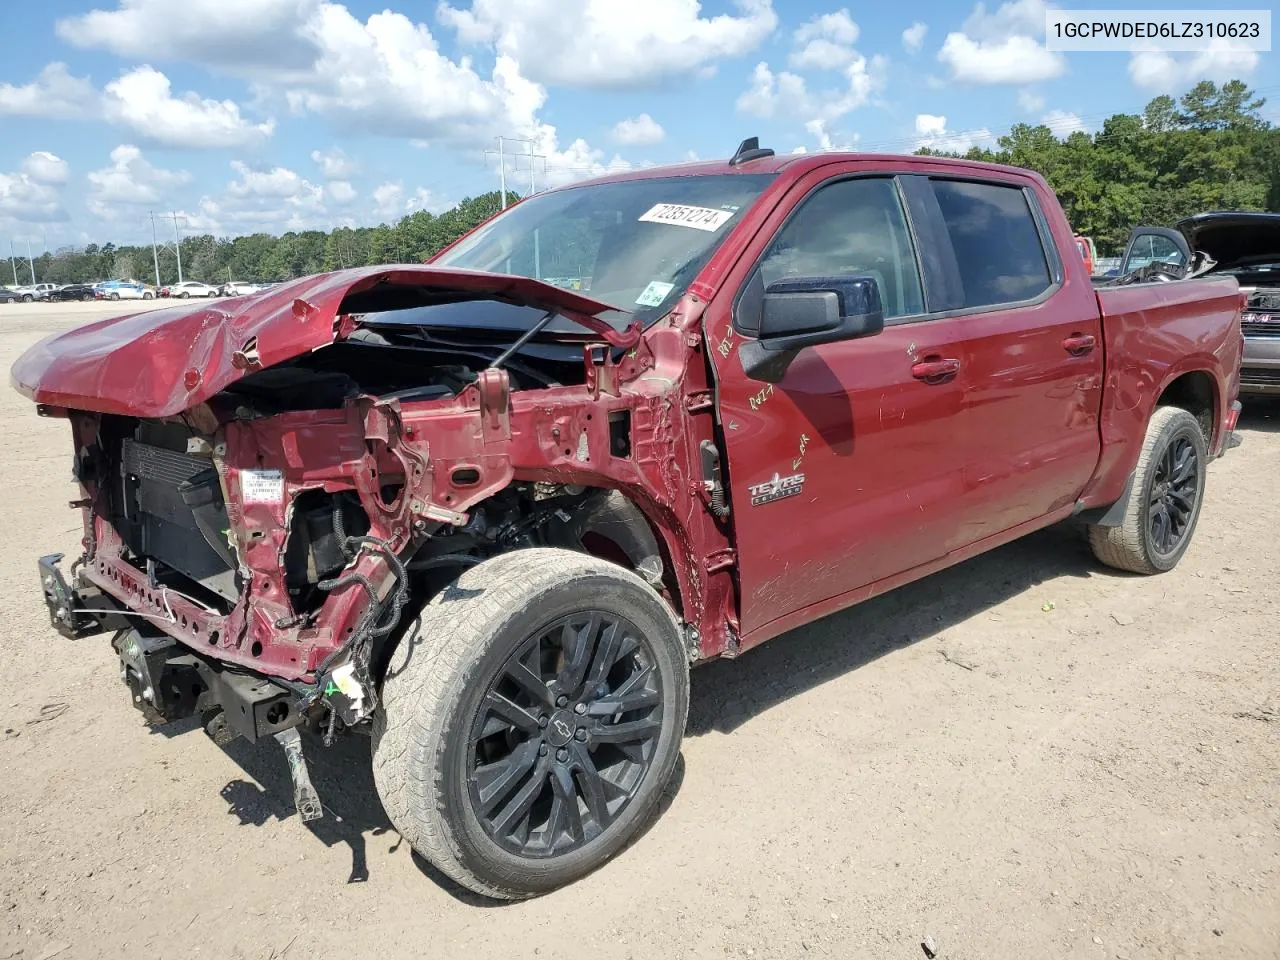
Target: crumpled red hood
column 159, row 363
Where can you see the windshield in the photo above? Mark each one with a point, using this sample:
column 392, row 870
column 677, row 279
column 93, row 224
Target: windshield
column 635, row 244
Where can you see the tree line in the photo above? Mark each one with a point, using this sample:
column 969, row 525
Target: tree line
column 260, row 256
column 1211, row 149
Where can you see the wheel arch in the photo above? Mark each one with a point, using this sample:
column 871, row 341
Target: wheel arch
column 1197, row 391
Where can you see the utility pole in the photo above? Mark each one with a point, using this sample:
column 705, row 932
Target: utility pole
column 13, row 262
column 155, row 256
column 177, row 245
column 502, row 173
column 31, row 263
column 502, row 164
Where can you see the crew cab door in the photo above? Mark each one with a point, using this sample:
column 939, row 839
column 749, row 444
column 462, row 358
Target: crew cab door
column 1034, row 338
column 849, row 469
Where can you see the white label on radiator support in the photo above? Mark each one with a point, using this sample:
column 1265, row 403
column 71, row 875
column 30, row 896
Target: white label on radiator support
column 261, row 486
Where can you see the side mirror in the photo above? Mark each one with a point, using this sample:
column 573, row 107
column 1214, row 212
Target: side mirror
column 803, row 312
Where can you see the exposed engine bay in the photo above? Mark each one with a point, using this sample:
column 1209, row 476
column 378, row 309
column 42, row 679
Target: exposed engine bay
column 165, row 489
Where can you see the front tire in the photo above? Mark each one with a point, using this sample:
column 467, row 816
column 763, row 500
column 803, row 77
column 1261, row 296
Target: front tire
column 531, row 721
column 1164, row 501
column 26, row 298
column 114, row 296
column 147, row 296
column 184, row 295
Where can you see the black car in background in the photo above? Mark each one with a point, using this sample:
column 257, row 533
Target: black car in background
column 73, row 291
column 8, row 296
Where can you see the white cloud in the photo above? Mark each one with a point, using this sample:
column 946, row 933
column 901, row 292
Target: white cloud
column 1030, row 101
column 277, row 182
column 1063, row 124
column 607, row 43
column 1002, row 47
column 826, row 143
column 340, row 190
column 825, row 42
column 641, row 131
column 1167, row 73
column 228, row 33
column 929, row 125
column 30, row 196
column 577, row 161
column 130, row 180
column 913, row 36
column 932, row 132
column 837, row 27
column 335, row 164
column 388, row 199
column 787, row 94
column 271, row 199
column 46, row 168
column 142, row 101
column 53, row 94
column 387, row 74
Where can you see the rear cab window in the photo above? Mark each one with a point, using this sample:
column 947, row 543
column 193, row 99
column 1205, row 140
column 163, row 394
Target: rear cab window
column 998, row 248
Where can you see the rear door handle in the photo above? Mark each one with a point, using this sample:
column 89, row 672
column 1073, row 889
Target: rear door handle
column 1078, row 344
column 935, row 369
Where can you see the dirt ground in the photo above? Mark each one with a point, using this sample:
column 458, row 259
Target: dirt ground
column 1027, row 755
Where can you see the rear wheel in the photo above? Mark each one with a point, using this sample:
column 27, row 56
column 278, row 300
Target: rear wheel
column 86, row 297
column 148, row 296
column 1164, row 501
column 114, row 296
column 531, row 720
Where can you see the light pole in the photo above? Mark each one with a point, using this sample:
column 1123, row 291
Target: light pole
column 155, row 255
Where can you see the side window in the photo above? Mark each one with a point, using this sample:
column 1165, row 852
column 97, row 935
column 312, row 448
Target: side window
column 997, row 246
column 848, row 228
column 1152, row 248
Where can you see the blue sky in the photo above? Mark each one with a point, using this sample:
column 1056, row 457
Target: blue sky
column 246, row 115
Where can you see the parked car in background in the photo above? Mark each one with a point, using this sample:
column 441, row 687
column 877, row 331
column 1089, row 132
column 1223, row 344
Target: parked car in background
column 239, row 288
column 1228, row 244
column 187, row 289
column 124, row 290
column 74, row 291
column 9, row 296
column 796, row 382
column 1088, row 251
column 36, row 291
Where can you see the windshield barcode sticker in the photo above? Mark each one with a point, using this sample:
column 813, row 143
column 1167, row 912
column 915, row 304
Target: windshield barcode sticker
column 654, row 293
column 700, row 218
column 261, row 486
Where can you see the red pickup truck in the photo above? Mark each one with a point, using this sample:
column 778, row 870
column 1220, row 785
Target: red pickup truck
column 490, row 509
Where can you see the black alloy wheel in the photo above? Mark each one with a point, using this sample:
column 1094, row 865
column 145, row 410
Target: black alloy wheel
column 1175, row 489
column 565, row 734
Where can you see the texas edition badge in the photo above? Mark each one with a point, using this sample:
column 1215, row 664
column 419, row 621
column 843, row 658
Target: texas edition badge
column 779, row 488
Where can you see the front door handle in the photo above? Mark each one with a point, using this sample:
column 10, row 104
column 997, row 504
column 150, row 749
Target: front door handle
column 1078, row 344
column 935, row 369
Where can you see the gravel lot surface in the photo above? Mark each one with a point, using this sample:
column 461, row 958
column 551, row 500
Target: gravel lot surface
column 1027, row 755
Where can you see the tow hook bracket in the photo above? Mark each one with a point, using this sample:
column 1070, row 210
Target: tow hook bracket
column 305, row 797
column 74, row 612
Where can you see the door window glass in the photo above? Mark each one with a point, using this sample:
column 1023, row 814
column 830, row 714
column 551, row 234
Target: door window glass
column 851, row 228
column 997, row 245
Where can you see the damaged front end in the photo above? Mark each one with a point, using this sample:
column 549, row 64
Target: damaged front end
column 266, row 510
